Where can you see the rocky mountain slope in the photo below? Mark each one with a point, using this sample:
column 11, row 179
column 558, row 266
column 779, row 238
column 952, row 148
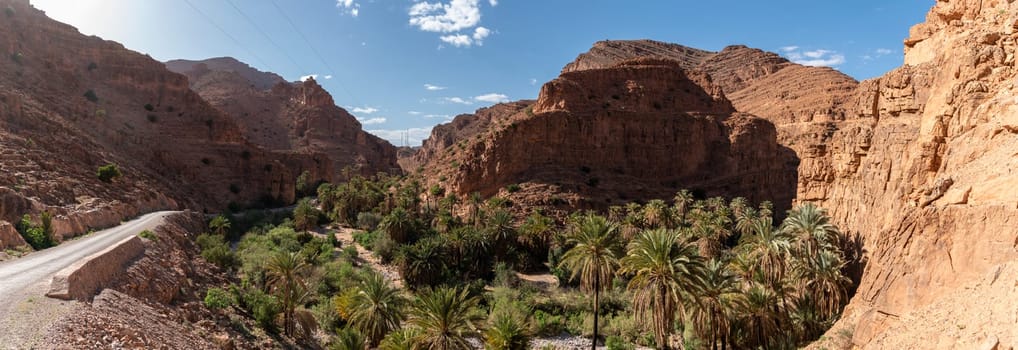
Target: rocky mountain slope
column 71, row 103
column 640, row 129
column 296, row 117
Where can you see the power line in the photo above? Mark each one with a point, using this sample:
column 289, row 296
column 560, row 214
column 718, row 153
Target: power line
column 315, row 51
column 235, row 41
column 266, row 35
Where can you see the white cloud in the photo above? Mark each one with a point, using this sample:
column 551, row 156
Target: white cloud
column 492, row 98
column 457, row 40
column 309, row 76
column 454, row 19
column 815, row 58
column 533, row 81
column 445, row 18
column 458, row 100
column 370, row 121
column 399, row 137
column 431, row 87
column 884, row 52
column 349, row 6
column 365, row 110
column 438, row 116
column 462, row 40
column 413, row 113
column 327, row 77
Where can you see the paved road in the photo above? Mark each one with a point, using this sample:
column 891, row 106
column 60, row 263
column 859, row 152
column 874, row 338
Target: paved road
column 20, row 276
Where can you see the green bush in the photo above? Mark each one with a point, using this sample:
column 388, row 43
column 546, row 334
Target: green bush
column 38, row 236
column 512, row 188
column 108, row 172
column 366, row 239
column 91, row 96
column 616, row 343
column 216, row 298
column 215, row 249
column 368, row 221
column 17, row 57
column 149, row 235
column 263, row 307
column 385, row 248
column 9, row 11
column 149, row 107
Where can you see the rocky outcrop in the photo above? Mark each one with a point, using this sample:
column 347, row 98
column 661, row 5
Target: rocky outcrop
column 925, row 176
column 298, row 117
column 641, row 129
column 464, row 127
column 608, row 53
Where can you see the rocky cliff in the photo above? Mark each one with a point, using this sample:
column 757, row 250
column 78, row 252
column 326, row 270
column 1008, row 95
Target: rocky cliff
column 919, row 163
column 298, row 117
column 640, row 129
column 71, row 103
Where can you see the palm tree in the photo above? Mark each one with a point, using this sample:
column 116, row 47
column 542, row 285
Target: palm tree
column 820, row 276
column 445, row 319
column 759, row 316
column 285, row 272
column 667, row 273
column 744, row 220
column 769, row 247
column 593, row 258
column 220, row 225
column 348, row 339
column 508, row 329
column 738, row 205
column 656, row 214
column 683, row 202
column 536, row 230
column 376, row 309
column 400, row 340
column 716, row 303
column 398, row 225
column 499, row 226
column 812, row 228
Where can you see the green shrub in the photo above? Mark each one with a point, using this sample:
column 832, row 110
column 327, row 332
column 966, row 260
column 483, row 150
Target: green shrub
column 9, row 11
column 90, row 96
column 350, row 253
column 368, row 221
column 149, row 235
column 616, row 343
column 108, row 172
column 546, row 324
column 38, row 236
column 216, row 298
column 385, row 248
column 17, row 57
column 512, row 188
column 366, row 239
column 149, row 107
column 92, row 66
column 152, row 118
column 215, row 249
column 263, row 307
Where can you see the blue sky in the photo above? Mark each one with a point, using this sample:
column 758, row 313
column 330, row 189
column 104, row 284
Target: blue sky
column 405, row 65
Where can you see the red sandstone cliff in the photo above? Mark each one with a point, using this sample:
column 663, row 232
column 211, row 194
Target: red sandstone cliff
column 296, row 117
column 637, row 130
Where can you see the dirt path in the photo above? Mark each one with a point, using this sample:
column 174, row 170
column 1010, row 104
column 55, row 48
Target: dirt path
column 345, row 236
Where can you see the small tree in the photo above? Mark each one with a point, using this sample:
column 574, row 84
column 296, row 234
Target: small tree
column 305, row 217
column 303, row 184
column 91, row 96
column 108, row 172
column 219, row 225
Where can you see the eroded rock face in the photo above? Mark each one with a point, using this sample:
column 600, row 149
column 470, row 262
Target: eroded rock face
column 296, row 117
column 641, row 129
